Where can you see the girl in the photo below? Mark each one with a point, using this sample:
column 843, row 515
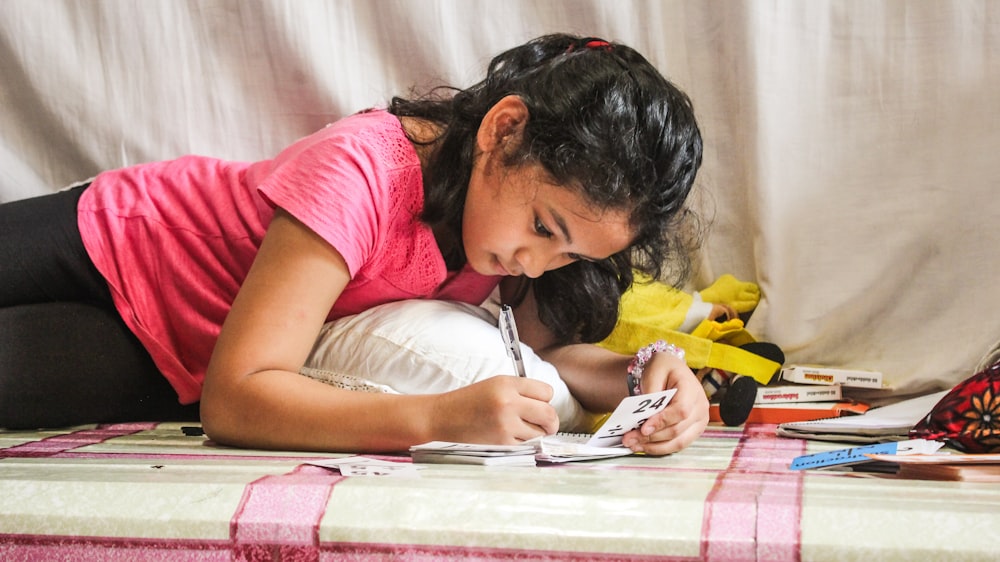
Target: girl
column 204, row 280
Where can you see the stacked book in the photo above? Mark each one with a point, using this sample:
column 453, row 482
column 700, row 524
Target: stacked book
column 804, row 393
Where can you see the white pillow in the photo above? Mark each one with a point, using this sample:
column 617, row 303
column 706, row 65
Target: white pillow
column 427, row 347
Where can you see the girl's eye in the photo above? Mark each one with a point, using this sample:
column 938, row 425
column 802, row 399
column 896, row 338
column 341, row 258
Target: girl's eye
column 540, row 228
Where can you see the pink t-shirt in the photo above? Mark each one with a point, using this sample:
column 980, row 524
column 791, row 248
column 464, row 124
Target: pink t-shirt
column 175, row 239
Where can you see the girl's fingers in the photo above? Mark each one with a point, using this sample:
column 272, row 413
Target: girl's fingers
column 676, row 427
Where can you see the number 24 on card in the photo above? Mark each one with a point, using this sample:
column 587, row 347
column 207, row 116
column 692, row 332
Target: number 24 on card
column 629, row 415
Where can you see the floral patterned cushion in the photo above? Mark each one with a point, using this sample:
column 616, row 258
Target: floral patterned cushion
column 968, row 417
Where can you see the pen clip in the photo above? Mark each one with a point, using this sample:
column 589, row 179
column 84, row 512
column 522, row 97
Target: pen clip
column 508, row 330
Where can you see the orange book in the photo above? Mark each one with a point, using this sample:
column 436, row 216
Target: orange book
column 796, row 411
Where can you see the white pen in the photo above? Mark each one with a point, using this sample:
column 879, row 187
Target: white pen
column 508, row 329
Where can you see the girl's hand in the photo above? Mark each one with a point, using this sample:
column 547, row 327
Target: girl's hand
column 683, row 420
column 500, row 410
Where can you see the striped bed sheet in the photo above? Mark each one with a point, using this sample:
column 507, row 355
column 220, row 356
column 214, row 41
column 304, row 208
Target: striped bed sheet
column 150, row 491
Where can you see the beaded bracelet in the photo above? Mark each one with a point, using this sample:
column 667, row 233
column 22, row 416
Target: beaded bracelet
column 642, row 357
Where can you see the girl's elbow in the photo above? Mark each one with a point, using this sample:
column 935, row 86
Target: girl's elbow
column 216, row 421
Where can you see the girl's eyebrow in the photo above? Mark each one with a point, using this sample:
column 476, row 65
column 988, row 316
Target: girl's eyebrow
column 561, row 224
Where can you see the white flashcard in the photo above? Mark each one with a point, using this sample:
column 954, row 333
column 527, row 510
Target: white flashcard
column 629, row 415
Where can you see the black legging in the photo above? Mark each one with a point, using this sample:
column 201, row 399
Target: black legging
column 66, row 356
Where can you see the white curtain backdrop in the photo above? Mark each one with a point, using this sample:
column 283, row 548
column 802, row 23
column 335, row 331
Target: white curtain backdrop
column 852, row 147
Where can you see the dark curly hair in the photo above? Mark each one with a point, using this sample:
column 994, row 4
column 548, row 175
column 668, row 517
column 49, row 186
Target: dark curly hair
column 602, row 120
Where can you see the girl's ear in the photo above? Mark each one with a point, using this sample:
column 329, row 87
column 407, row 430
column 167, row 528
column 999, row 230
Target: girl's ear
column 503, row 123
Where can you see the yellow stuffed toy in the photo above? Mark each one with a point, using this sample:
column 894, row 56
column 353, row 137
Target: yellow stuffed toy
column 650, row 307
column 709, row 326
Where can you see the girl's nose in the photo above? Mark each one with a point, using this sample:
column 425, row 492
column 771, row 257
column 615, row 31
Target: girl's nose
column 532, row 262
column 531, row 270
column 536, row 262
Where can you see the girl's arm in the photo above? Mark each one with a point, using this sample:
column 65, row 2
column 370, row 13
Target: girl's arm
column 254, row 397
column 597, row 379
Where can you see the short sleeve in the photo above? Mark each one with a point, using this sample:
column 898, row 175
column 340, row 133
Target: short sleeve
column 358, row 185
column 330, row 182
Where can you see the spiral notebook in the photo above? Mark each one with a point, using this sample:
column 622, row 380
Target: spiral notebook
column 887, row 423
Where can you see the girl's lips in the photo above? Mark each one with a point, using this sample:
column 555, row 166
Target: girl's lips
column 501, row 270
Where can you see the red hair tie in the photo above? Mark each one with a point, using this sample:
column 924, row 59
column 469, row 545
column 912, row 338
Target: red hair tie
column 598, row 44
column 591, row 44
